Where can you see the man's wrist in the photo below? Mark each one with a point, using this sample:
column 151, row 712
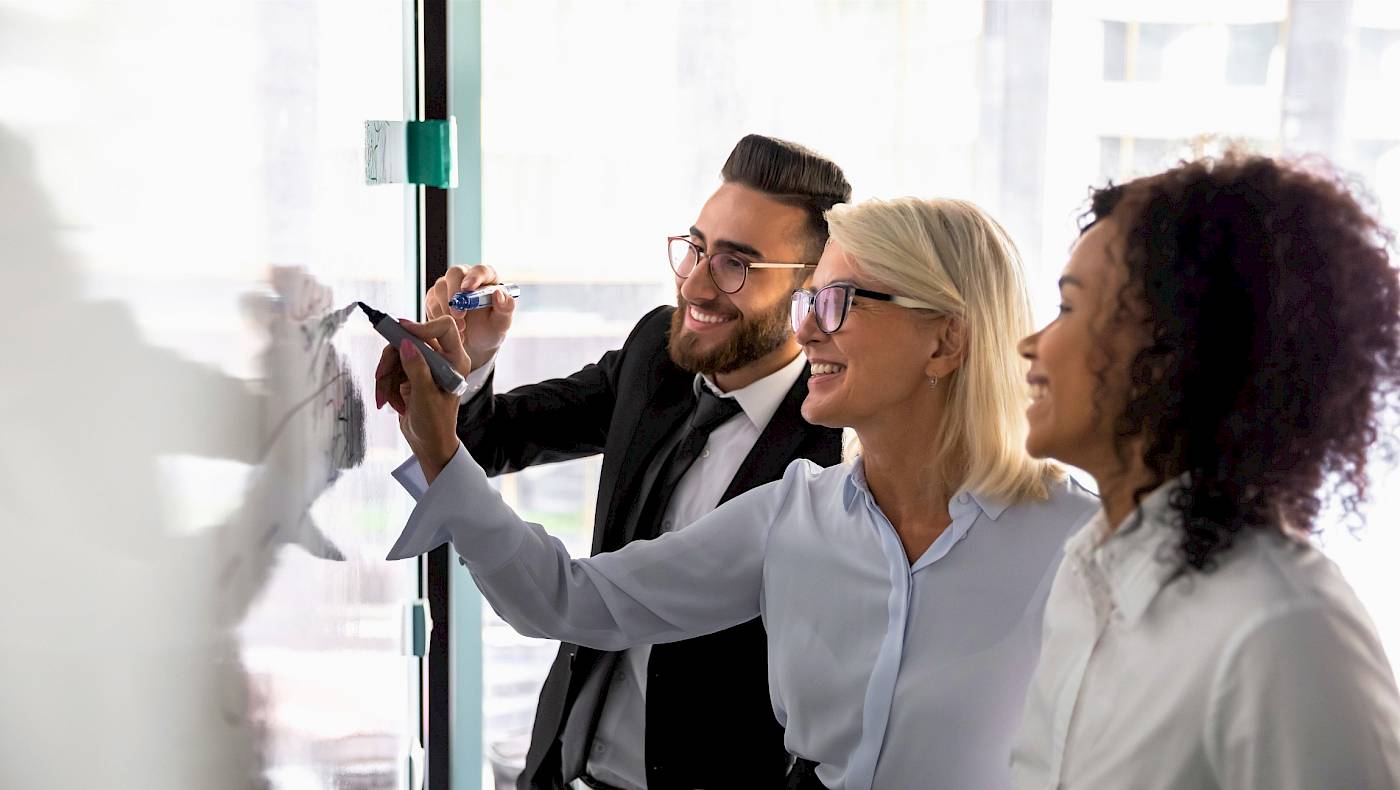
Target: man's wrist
column 481, row 359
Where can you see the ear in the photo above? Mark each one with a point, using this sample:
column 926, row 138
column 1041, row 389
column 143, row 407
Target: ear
column 949, row 349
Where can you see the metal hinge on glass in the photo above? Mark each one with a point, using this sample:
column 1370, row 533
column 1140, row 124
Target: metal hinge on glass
column 411, row 152
column 413, row 766
column 417, row 628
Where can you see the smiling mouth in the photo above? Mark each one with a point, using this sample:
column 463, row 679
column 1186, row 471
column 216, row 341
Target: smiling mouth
column 706, row 317
column 826, row 368
column 1039, row 390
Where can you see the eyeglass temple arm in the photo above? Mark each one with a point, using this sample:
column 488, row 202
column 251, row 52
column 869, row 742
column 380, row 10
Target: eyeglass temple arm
column 902, row 301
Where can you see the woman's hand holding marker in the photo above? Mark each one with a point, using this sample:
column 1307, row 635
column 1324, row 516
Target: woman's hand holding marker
column 427, row 415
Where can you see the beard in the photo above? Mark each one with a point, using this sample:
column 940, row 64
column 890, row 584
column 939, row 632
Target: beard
column 751, row 340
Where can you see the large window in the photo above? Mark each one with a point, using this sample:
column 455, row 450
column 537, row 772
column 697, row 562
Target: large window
column 606, row 122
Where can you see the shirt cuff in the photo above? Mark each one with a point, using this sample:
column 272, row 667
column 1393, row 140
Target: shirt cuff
column 410, row 476
column 460, row 507
column 427, row 526
column 477, row 379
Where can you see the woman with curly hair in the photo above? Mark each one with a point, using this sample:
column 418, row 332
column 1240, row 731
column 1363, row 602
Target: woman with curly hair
column 1226, row 356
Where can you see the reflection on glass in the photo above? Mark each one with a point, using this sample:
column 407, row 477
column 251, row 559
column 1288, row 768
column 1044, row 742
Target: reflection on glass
column 195, row 507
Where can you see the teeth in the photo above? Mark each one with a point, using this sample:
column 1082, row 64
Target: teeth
column 819, row 368
column 1039, row 391
column 706, row 318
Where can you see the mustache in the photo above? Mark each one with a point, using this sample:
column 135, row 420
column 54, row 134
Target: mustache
column 715, row 307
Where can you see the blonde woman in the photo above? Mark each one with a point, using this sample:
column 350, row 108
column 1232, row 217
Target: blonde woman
column 902, row 592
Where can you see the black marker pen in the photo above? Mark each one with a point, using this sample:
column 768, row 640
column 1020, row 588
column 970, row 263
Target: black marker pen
column 443, row 373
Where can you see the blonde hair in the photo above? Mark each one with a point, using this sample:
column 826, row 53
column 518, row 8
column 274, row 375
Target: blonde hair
column 950, row 254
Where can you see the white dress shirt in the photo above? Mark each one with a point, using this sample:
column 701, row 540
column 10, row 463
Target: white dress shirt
column 617, row 754
column 890, row 674
column 1264, row 674
column 477, row 379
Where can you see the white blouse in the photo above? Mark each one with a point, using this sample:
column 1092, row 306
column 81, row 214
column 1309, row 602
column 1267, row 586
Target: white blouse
column 1264, row 674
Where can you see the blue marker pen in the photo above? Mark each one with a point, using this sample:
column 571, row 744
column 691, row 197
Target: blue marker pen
column 481, row 297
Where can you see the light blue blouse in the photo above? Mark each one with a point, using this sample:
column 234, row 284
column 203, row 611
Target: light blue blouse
column 889, row 674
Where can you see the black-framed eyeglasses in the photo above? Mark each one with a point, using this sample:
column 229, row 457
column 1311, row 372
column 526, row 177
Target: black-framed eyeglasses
column 728, row 270
column 831, row 303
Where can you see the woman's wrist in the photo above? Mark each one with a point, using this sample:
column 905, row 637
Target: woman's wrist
column 433, row 460
column 444, row 455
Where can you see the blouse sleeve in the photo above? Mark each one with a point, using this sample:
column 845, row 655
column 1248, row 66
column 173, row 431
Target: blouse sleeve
column 1304, row 700
column 697, row 580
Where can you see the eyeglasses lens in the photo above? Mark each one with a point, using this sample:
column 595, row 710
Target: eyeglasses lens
column 728, row 272
column 830, row 308
column 801, row 305
column 683, row 257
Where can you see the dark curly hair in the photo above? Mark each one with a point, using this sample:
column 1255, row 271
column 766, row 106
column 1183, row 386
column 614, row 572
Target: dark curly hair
column 1272, row 363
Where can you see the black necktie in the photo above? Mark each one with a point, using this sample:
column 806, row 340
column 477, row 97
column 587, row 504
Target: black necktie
column 711, row 412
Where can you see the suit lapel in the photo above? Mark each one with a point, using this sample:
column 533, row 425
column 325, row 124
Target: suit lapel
column 667, row 407
column 778, row 444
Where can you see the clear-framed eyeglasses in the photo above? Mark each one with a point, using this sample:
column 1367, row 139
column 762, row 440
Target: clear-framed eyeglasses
column 728, row 270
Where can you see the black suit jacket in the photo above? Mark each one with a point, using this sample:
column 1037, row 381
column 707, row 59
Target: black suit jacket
column 709, row 720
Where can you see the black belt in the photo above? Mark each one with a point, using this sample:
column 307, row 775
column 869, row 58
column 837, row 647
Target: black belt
column 597, row 784
column 803, row 776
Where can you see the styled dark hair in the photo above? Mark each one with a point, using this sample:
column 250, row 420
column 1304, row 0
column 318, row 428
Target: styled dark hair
column 1273, row 364
column 790, row 174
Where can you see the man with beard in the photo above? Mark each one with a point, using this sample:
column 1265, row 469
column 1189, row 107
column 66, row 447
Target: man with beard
column 699, row 405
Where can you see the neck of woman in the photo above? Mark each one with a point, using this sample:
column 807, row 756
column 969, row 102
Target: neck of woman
column 910, row 482
column 1118, row 484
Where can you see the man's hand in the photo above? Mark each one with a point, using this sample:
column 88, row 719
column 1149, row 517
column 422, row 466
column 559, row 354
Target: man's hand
column 482, row 331
column 428, row 418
